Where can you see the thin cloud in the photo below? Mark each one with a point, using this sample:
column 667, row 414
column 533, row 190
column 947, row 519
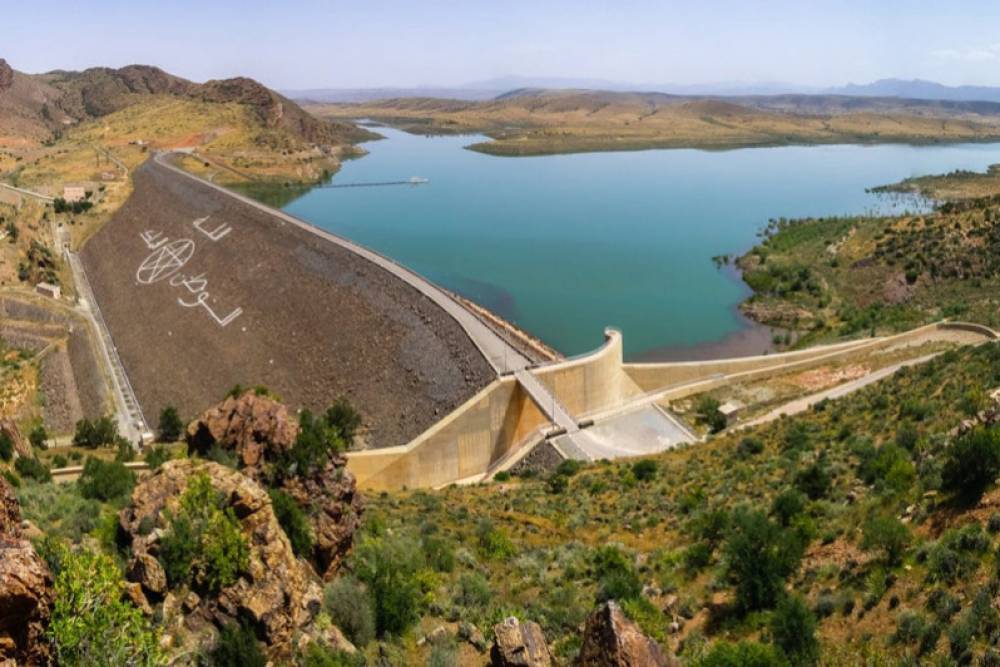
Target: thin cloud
column 976, row 55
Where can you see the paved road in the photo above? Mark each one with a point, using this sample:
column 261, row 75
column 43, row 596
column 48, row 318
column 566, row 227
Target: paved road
column 501, row 355
column 131, row 422
column 806, row 402
column 29, row 193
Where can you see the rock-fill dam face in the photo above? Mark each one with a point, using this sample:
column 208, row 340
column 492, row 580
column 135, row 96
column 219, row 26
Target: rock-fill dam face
column 202, row 292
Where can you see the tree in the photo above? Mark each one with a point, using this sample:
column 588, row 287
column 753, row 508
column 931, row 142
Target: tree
column 293, row 521
column 787, row 505
column 105, row 480
column 814, row 480
column 888, row 535
column 319, row 438
column 38, row 436
column 390, row 567
column 93, row 434
column 972, row 463
column 350, row 608
column 32, row 468
column 204, row 546
column 793, row 630
column 171, row 425
column 708, row 413
column 759, row 557
column 93, row 623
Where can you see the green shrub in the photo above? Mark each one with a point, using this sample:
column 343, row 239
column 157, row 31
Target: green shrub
column 38, row 436
column 156, row 457
column 972, row 463
column 616, row 574
column 473, row 590
column 171, row 425
column 759, row 557
column 236, row 647
column 350, row 608
column 814, row 480
column 32, row 469
column 493, row 542
column 6, row 447
column 439, row 552
column 697, row 557
column 204, row 546
column 105, row 480
column 93, row 434
column 342, row 416
column 124, row 451
column 390, row 566
column 92, row 621
column 743, row 654
column 319, row 438
column 749, row 446
column 787, row 505
column 318, row 655
column 793, row 630
column 886, row 535
column 59, row 461
column 568, row 467
column 709, row 414
column 12, row 479
column 293, row 521
column 645, row 470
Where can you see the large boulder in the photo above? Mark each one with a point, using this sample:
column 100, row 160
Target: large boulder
column 519, row 645
column 256, row 428
column 336, row 507
column 612, row 640
column 9, row 428
column 278, row 595
column 25, row 591
column 259, row 430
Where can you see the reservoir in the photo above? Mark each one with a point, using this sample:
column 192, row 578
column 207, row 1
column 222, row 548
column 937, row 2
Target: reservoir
column 566, row 245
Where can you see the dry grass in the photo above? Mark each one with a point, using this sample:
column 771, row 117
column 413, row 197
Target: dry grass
column 562, row 122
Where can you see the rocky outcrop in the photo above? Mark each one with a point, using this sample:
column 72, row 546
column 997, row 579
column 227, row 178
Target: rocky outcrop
column 25, row 591
column 278, row 595
column 259, row 430
column 6, row 75
column 256, row 428
column 612, row 640
column 9, row 428
column 519, row 645
column 336, row 512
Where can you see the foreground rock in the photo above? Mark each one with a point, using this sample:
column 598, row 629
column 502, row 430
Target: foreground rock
column 259, row 430
column 10, row 429
column 612, row 640
column 519, row 645
column 256, row 428
column 25, row 591
column 278, row 596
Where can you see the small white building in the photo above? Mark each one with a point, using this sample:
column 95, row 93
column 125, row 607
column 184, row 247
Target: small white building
column 72, row 193
column 49, row 290
column 731, row 410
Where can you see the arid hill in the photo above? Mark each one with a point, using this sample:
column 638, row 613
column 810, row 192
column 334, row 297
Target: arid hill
column 48, row 102
column 530, row 121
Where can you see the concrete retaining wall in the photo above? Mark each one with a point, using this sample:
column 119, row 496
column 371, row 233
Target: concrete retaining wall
column 492, row 425
column 657, row 377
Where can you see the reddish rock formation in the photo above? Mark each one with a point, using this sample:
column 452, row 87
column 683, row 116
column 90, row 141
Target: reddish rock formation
column 519, row 645
column 9, row 428
column 336, row 516
column 611, row 640
column 25, row 590
column 278, row 594
column 259, row 430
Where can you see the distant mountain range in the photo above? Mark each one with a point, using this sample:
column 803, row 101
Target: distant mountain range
column 491, row 88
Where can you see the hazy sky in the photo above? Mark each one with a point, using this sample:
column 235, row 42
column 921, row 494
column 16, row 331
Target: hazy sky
column 310, row 43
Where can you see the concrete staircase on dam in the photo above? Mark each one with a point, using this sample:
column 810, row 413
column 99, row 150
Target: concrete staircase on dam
column 555, row 411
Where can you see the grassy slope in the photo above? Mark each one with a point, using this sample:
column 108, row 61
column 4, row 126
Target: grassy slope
column 550, row 575
column 848, row 276
column 573, row 121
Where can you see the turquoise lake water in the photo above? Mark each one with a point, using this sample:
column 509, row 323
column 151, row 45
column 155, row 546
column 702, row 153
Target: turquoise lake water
column 566, row 245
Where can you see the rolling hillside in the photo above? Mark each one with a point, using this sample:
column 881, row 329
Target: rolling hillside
column 535, row 121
